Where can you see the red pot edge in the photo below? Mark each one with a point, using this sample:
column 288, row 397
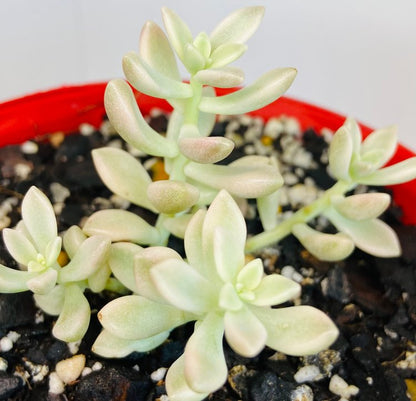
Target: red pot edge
column 65, row 108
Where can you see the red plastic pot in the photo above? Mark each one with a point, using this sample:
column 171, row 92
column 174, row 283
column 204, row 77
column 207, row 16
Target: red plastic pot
column 64, row 109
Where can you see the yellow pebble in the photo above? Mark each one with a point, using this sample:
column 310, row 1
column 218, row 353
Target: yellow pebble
column 411, row 388
column 158, row 170
column 63, row 259
column 266, row 140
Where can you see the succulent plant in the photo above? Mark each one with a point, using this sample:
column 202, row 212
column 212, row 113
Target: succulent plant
column 218, row 289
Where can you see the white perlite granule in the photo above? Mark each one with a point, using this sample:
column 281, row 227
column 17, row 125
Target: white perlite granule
column 70, row 369
column 158, row 374
column 6, row 344
column 302, row 393
column 56, row 385
column 339, row 386
column 308, row 373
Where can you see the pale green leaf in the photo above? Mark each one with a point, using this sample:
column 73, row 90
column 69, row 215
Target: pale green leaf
column 225, row 54
column 156, row 51
column 237, row 27
column 143, row 262
column 265, row 90
column 121, row 225
column 74, row 318
column 206, row 150
column 275, row 289
column 19, row 246
column 204, row 353
column 251, row 274
column 328, row 247
column 355, row 133
column 52, row 251
column 126, row 118
column 43, row 283
column 178, row 32
column 72, row 240
column 361, row 206
column 177, row 225
column 109, row 346
column 298, row 330
column 183, row 287
column 226, row 77
column 98, row 280
column 133, row 317
column 52, row 302
column 268, row 207
column 121, row 261
column 365, row 165
column 228, row 299
column 123, row 175
column 372, row 236
column 340, row 153
column 39, row 218
column 91, row 255
column 245, row 181
column 385, row 140
column 396, row 174
column 193, row 59
column 171, row 196
column 203, row 44
column 224, row 214
column 150, row 81
column 12, row 281
column 177, row 387
column 244, row 332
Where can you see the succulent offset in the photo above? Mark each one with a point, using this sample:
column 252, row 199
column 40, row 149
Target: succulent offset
column 223, row 290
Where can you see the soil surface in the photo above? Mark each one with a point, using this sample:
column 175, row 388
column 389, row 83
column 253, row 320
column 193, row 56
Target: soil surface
column 372, row 300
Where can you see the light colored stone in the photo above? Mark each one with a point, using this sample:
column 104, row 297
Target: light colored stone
column 70, row 369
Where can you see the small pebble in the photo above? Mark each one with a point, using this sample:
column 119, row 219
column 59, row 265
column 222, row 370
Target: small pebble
column 3, row 364
column 302, row 393
column 158, row 374
column 6, row 344
column 70, row 369
column 29, row 147
column 86, row 129
column 97, row 366
column 308, row 373
column 339, row 386
column 56, row 385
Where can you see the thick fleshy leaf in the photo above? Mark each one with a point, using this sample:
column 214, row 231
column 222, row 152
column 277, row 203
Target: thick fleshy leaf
column 72, row 240
column 372, row 236
column 98, row 280
column 298, row 330
column 43, row 283
column 245, row 181
column 265, row 90
column 384, row 139
column 237, row 27
column 206, row 150
column 123, row 174
column 51, row 303
column 156, row 51
column 193, row 59
column 171, row 196
column 228, row 299
column 134, row 317
column 53, row 249
column 193, row 242
column 121, row 261
column 126, row 118
column 250, row 275
column 226, row 54
column 121, row 225
column 275, row 289
column 203, row 44
column 204, row 353
column 178, row 32
column 19, row 246
column 245, row 334
column 355, row 133
column 74, row 319
column 177, row 225
column 396, row 174
column 176, row 386
column 224, row 214
column 39, row 218
column 340, row 153
column 183, row 287
column 328, row 247
column 150, row 81
column 91, row 255
column 226, row 77
column 109, row 346
column 143, row 262
column 12, row 281
column 267, row 207
column 361, row 206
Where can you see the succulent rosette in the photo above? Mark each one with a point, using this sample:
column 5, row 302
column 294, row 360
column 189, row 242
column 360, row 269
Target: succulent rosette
column 221, row 291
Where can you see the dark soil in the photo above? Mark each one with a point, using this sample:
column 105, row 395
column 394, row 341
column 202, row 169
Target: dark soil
column 372, row 300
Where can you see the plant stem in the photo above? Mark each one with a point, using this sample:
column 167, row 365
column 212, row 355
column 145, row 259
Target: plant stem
column 303, row 215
